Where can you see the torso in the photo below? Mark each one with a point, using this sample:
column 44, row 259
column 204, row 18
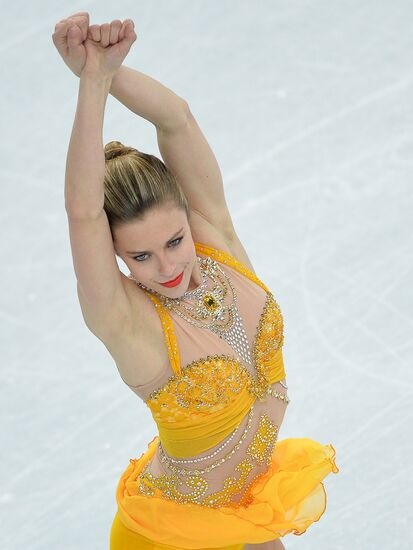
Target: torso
column 141, row 355
column 141, row 358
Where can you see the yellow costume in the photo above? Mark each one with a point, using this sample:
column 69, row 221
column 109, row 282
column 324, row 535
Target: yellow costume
column 277, row 486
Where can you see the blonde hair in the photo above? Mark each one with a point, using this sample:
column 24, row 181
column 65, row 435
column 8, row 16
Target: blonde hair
column 136, row 182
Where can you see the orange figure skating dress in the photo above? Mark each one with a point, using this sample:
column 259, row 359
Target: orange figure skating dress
column 216, row 475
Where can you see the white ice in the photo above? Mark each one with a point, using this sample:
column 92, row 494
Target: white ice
column 308, row 107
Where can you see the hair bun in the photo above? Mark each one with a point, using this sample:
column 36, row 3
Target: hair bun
column 115, row 149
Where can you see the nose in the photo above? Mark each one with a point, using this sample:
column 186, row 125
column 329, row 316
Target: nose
column 166, row 269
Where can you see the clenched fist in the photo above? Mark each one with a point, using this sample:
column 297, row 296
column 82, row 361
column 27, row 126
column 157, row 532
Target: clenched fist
column 96, row 49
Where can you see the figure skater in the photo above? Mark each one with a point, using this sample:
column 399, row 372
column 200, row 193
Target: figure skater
column 192, row 329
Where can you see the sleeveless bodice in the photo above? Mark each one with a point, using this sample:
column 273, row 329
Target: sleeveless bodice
column 208, row 402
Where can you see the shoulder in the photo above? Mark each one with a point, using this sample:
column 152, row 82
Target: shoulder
column 142, row 337
column 205, row 233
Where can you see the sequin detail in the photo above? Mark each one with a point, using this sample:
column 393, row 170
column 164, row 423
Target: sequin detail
column 173, row 487
column 226, row 258
column 210, row 310
column 172, row 463
column 208, row 384
column 261, row 447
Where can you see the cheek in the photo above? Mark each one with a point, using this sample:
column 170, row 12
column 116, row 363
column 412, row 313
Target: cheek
column 189, row 249
column 145, row 276
column 141, row 271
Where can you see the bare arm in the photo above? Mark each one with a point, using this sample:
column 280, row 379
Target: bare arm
column 103, row 299
column 142, row 94
column 85, row 164
column 183, row 146
column 148, row 98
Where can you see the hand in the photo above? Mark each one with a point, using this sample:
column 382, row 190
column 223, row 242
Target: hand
column 107, row 46
column 70, row 45
column 73, row 37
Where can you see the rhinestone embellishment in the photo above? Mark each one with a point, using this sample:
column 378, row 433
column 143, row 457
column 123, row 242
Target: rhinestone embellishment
column 207, row 308
column 171, row 461
column 258, row 451
column 209, row 384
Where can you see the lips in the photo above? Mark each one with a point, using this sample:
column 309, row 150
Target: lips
column 173, row 282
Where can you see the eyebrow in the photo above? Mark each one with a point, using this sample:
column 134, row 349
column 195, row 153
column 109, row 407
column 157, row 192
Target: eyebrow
column 146, row 251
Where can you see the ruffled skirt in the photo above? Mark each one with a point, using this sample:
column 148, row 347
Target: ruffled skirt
column 286, row 498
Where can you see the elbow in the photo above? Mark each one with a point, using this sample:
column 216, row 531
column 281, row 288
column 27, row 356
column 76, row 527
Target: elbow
column 186, row 109
column 77, row 213
column 177, row 119
column 187, row 113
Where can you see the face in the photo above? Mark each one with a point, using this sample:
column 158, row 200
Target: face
column 158, row 248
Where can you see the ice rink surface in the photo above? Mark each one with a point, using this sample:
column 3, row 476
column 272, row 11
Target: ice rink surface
column 308, row 107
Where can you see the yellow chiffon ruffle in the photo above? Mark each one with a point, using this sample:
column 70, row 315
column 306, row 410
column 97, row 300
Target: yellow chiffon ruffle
column 286, row 498
column 122, row 538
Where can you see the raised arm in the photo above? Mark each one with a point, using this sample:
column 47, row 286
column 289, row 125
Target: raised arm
column 103, row 299
column 182, row 145
column 181, row 142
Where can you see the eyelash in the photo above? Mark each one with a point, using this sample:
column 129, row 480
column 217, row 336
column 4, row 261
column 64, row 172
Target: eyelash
column 179, row 239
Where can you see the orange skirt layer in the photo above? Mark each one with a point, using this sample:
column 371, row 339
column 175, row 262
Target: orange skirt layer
column 287, row 498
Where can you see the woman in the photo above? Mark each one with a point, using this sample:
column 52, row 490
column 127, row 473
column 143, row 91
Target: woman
column 207, row 331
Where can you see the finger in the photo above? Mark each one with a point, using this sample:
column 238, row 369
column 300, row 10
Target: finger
column 127, row 31
column 82, row 21
column 59, row 24
column 122, row 30
column 74, row 36
column 80, row 13
column 60, row 35
column 115, row 27
column 94, row 32
column 104, row 34
column 61, row 29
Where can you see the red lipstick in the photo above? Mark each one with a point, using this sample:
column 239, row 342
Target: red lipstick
column 174, row 282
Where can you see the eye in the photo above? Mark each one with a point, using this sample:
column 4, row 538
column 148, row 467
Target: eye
column 177, row 241
column 174, row 243
column 140, row 256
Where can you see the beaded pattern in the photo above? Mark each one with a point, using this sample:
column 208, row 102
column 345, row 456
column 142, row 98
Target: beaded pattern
column 207, row 385
column 170, row 487
column 261, row 446
column 210, row 310
column 260, row 450
column 226, row 258
column 182, row 471
column 170, row 461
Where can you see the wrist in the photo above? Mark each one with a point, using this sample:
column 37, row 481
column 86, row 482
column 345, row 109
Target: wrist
column 117, row 75
column 96, row 78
